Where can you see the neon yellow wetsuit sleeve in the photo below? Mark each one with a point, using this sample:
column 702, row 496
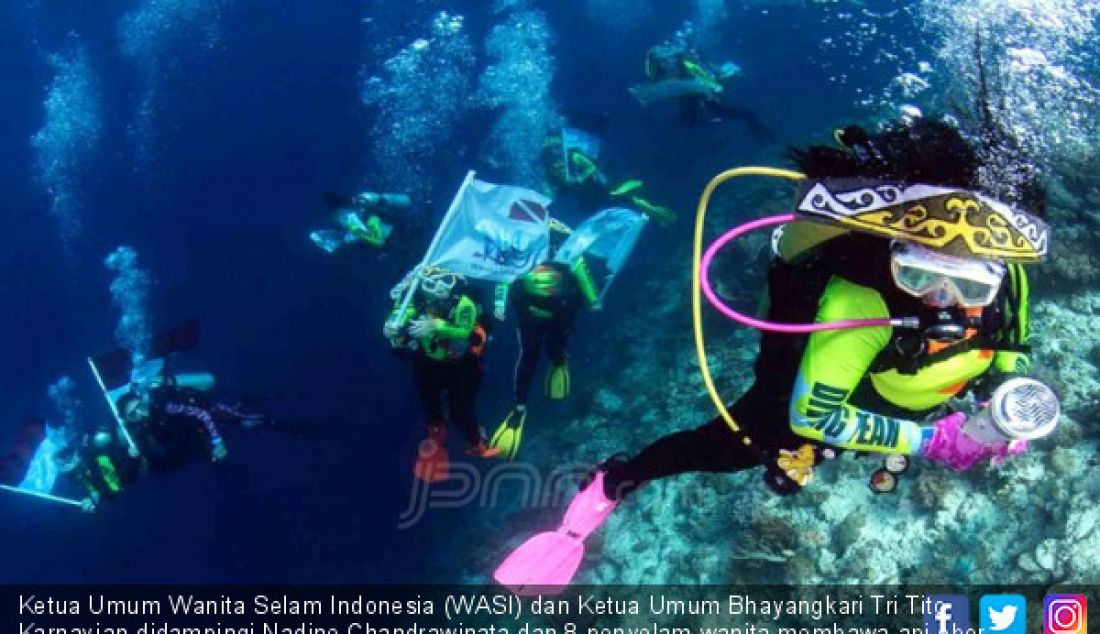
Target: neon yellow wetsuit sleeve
column 401, row 320
column 833, row 364
column 1014, row 359
column 462, row 322
column 585, row 281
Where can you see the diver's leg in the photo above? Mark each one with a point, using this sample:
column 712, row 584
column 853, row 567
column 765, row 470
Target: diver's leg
column 716, row 112
column 462, row 396
column 428, row 385
column 710, row 448
column 530, row 344
column 691, row 107
column 557, row 340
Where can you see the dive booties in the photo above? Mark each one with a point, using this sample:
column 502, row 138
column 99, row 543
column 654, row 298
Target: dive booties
column 432, row 463
column 480, row 450
column 558, row 381
column 546, row 563
column 509, row 435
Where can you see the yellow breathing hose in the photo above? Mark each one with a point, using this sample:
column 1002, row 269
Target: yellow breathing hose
column 696, row 274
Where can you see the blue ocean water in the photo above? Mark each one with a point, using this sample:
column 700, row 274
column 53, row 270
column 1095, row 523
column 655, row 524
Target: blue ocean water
column 218, row 123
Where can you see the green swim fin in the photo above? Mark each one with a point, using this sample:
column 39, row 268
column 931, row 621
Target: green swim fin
column 557, row 381
column 627, row 187
column 508, row 436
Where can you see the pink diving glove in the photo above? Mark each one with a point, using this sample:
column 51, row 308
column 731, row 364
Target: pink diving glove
column 950, row 446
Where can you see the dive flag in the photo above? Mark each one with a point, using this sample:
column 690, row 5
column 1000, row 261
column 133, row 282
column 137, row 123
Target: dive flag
column 610, row 235
column 31, row 463
column 115, row 367
column 492, row 232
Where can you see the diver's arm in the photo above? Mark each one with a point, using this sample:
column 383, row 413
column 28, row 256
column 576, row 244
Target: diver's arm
column 1012, row 357
column 585, row 281
column 833, row 364
column 464, row 321
column 395, row 321
column 198, row 414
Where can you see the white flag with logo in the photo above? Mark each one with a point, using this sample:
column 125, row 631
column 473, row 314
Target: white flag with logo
column 609, row 235
column 492, row 232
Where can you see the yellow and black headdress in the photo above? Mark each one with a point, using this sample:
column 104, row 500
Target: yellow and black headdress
column 955, row 221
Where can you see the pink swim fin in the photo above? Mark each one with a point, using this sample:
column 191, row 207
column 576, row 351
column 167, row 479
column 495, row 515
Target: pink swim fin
column 546, row 563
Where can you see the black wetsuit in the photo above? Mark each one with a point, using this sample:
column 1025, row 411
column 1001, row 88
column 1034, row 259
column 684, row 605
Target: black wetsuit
column 107, row 472
column 447, row 366
column 700, row 110
column 182, row 427
column 764, row 413
column 713, row 447
column 455, row 382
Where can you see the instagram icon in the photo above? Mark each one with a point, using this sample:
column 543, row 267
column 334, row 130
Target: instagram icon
column 1065, row 614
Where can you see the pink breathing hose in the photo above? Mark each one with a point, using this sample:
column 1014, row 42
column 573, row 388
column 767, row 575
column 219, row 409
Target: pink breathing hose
column 759, row 324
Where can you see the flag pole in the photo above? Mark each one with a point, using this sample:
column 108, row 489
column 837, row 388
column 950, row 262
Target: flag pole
column 134, row 452
column 443, row 226
column 42, row 496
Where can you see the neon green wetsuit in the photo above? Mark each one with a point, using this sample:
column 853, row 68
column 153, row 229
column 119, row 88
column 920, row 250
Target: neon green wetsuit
column 453, row 337
column 447, row 365
column 837, row 369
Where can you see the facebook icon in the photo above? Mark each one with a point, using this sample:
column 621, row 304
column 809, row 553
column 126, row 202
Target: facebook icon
column 946, row 614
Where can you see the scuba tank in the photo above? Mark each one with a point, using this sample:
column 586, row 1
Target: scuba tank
column 108, row 473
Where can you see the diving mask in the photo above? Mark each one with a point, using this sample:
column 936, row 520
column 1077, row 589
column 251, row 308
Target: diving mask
column 438, row 284
column 943, row 280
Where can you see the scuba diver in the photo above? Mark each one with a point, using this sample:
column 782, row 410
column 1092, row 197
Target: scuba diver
column 875, row 322
column 47, row 456
column 443, row 325
column 368, row 218
column 175, row 423
column 104, row 467
column 570, row 161
column 673, row 71
column 546, row 301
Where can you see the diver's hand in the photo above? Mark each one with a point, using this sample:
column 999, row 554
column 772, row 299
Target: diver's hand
column 218, row 452
column 425, row 327
column 952, row 447
column 90, row 503
column 390, row 330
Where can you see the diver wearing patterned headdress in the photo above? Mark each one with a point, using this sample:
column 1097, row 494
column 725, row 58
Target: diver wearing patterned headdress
column 913, row 196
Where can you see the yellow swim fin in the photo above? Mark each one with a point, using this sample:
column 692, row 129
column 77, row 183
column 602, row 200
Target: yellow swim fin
column 509, row 435
column 557, row 381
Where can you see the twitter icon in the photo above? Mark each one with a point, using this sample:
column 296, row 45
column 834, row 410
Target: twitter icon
column 1003, row 614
